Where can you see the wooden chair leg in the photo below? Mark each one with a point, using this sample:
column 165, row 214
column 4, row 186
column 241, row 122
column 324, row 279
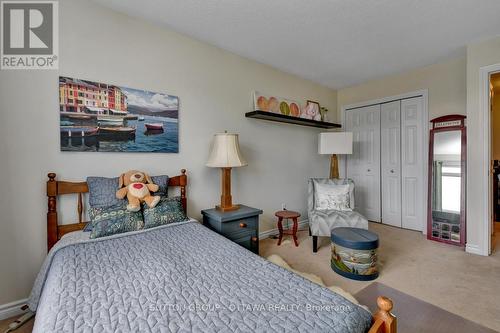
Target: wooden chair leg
column 310, row 232
column 295, row 229
column 315, row 244
column 280, row 228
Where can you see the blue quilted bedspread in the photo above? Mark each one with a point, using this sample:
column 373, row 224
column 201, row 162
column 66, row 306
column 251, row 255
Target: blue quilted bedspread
column 179, row 278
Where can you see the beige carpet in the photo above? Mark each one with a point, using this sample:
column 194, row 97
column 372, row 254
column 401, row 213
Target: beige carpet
column 443, row 275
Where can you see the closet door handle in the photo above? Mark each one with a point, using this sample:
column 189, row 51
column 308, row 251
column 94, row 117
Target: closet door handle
column 392, row 170
column 368, row 170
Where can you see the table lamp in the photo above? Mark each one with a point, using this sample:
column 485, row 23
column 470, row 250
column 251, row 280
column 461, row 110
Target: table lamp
column 335, row 143
column 225, row 154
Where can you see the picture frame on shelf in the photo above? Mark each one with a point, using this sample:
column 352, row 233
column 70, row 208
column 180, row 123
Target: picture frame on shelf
column 311, row 111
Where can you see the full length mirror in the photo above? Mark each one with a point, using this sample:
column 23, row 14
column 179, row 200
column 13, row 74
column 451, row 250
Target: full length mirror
column 447, row 182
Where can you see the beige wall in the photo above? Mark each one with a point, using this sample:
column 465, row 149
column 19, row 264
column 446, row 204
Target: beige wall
column 478, row 55
column 215, row 89
column 445, row 81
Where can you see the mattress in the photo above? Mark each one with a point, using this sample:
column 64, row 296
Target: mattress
column 179, row 278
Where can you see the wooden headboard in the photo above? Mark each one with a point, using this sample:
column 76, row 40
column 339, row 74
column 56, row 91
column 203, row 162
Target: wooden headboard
column 57, row 187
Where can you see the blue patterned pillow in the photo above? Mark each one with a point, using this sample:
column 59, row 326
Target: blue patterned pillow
column 162, row 182
column 108, row 221
column 168, row 210
column 102, row 192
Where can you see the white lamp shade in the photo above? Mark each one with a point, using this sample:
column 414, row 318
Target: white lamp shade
column 335, row 143
column 225, row 152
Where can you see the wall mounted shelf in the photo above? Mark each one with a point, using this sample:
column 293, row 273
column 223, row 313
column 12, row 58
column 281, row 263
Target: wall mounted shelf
column 265, row 115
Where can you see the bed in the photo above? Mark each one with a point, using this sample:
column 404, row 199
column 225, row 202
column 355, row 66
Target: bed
column 180, row 277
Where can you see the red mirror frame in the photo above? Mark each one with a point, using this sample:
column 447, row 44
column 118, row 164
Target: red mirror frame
column 452, row 122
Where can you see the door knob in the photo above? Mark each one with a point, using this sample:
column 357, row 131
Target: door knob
column 368, row 170
column 392, row 170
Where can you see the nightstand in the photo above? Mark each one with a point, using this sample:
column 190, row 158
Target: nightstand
column 241, row 226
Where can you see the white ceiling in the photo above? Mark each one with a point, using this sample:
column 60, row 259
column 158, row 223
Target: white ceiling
column 337, row 43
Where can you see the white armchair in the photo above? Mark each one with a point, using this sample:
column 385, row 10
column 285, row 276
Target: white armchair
column 322, row 222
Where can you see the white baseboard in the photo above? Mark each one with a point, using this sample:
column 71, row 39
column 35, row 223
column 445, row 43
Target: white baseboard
column 474, row 249
column 271, row 232
column 12, row 309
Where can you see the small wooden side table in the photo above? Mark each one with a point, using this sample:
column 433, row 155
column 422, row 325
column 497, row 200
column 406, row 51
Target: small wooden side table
column 288, row 214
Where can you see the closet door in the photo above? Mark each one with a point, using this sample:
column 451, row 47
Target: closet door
column 353, row 124
column 390, row 116
column 412, row 159
column 363, row 166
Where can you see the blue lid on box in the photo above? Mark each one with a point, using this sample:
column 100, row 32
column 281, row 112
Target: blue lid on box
column 355, row 238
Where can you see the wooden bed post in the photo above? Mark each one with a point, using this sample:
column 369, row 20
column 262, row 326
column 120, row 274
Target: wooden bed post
column 183, row 183
column 383, row 320
column 52, row 211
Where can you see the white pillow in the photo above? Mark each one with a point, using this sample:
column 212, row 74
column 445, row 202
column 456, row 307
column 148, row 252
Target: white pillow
column 332, row 197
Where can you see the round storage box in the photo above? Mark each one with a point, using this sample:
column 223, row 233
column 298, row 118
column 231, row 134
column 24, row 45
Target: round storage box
column 354, row 253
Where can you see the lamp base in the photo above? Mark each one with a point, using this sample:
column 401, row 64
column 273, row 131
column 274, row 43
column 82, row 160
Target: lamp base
column 228, row 208
column 226, row 201
column 334, row 167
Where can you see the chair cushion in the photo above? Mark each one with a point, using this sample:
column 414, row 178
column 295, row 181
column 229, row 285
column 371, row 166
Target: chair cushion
column 313, row 182
column 322, row 222
column 332, row 197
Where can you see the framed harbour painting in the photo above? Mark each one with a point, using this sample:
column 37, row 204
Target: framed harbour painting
column 109, row 118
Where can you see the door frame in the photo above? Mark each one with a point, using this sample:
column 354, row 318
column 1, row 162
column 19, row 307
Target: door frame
column 424, row 93
column 484, row 109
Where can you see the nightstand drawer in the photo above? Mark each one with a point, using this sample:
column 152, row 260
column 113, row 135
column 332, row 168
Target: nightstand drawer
column 249, row 223
column 249, row 242
column 238, row 234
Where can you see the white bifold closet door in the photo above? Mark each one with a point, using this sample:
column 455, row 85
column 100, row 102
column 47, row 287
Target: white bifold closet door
column 363, row 166
column 412, row 164
column 387, row 164
column 390, row 120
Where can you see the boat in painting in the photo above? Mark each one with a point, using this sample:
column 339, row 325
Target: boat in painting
column 140, row 118
column 110, row 120
column 79, row 131
column 66, row 123
column 154, row 126
column 118, row 131
column 78, row 116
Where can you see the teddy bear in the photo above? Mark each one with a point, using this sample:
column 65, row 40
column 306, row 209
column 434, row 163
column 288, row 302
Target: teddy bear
column 136, row 186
